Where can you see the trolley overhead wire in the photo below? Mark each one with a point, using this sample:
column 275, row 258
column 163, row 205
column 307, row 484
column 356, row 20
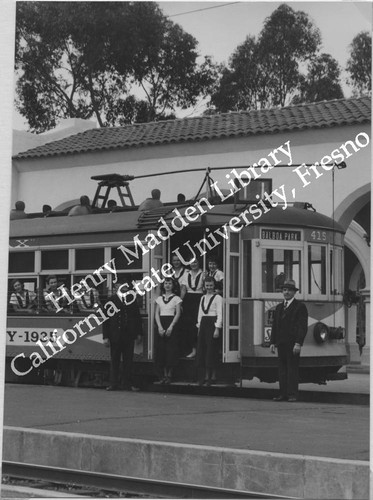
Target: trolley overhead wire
column 222, row 168
column 205, row 8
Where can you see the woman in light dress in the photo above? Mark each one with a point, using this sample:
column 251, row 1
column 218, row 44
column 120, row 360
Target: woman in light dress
column 167, row 314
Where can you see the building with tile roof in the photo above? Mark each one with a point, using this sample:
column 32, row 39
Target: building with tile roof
column 59, row 172
column 23, row 141
column 221, row 126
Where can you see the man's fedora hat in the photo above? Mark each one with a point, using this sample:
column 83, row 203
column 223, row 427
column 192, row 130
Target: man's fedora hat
column 289, row 284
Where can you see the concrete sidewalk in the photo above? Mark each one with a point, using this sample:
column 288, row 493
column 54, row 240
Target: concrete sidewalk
column 303, row 449
column 356, row 383
column 319, row 429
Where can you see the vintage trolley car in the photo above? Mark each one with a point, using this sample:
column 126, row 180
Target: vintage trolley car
column 258, row 245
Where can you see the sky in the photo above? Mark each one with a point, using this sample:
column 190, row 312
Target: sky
column 223, row 26
column 220, row 27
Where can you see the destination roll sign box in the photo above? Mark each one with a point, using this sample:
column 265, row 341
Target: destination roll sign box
column 280, row 235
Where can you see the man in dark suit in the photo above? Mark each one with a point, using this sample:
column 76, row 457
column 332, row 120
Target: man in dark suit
column 119, row 333
column 289, row 329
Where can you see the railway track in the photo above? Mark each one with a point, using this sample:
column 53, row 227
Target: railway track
column 131, row 485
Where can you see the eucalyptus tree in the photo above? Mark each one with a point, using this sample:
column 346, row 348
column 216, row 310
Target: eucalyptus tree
column 120, row 62
column 267, row 71
column 359, row 64
column 322, row 81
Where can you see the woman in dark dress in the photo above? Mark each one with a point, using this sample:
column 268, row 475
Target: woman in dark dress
column 210, row 322
column 191, row 292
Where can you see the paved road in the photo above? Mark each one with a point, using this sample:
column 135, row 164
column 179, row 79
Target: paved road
column 326, row 430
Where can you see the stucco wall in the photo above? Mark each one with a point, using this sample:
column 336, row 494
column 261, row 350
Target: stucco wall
column 55, row 180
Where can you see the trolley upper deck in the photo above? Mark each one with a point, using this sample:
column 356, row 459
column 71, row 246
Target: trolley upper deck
column 133, row 222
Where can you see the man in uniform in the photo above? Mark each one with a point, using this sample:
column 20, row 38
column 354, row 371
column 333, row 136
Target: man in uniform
column 119, row 333
column 289, row 329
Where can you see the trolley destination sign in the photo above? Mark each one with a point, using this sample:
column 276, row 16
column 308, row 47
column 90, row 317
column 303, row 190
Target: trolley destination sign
column 280, row 235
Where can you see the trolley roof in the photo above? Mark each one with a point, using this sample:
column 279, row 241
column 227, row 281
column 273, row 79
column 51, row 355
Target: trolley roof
column 133, row 221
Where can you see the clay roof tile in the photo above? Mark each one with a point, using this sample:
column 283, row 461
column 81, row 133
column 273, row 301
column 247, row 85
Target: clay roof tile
column 235, row 124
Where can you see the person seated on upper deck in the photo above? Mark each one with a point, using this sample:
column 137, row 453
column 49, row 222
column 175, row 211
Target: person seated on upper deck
column 181, row 198
column 153, row 202
column 46, row 210
column 83, row 209
column 22, row 300
column 19, row 211
column 89, row 301
column 112, row 205
column 54, row 290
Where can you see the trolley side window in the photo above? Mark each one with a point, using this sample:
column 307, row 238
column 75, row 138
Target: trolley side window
column 279, row 265
column 54, row 259
column 121, row 262
column 85, row 299
column 60, row 279
column 22, row 262
column 89, row 258
column 17, row 302
column 316, row 270
column 135, row 278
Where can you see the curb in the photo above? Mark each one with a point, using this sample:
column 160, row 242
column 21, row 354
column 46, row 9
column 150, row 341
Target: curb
column 298, row 476
column 18, row 492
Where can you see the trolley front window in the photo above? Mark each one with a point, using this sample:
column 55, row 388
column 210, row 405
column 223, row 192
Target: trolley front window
column 279, row 265
column 316, row 270
column 336, row 271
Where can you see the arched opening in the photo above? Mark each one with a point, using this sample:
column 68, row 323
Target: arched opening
column 355, row 319
column 354, row 215
column 356, row 204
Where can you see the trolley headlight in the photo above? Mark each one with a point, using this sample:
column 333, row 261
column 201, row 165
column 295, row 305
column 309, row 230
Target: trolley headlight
column 320, row 333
